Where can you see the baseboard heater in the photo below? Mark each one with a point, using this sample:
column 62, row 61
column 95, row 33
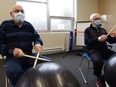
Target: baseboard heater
column 53, row 50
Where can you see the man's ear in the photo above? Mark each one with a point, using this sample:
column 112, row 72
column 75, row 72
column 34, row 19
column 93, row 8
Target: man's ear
column 11, row 14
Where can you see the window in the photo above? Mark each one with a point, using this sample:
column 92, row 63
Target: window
column 58, row 24
column 49, row 15
column 35, row 12
column 61, row 14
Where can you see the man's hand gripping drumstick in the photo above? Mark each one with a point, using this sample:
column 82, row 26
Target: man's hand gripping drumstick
column 103, row 38
column 18, row 53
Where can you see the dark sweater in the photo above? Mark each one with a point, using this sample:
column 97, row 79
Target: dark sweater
column 91, row 35
column 18, row 37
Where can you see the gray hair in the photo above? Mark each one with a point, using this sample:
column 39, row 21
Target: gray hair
column 93, row 15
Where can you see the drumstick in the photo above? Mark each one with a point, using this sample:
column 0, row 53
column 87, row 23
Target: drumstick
column 111, row 29
column 33, row 57
column 35, row 63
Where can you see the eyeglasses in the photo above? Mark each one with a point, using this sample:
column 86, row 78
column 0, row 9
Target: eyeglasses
column 16, row 11
column 97, row 19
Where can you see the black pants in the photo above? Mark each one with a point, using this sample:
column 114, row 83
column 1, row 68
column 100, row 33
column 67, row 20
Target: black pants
column 15, row 67
column 98, row 57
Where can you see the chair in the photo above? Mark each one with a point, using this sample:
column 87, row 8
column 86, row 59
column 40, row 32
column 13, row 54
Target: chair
column 6, row 79
column 85, row 54
column 7, row 83
column 89, row 59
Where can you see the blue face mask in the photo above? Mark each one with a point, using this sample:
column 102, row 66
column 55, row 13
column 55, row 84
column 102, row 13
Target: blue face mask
column 97, row 23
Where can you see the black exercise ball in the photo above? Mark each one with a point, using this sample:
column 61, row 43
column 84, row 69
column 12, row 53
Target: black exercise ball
column 48, row 74
column 110, row 71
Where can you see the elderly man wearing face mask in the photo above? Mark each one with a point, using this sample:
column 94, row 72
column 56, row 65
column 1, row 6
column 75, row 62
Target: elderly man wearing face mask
column 17, row 39
column 95, row 40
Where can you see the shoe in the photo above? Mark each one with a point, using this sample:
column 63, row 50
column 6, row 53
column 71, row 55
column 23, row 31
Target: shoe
column 100, row 82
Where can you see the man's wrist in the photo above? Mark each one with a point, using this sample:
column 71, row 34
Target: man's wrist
column 37, row 45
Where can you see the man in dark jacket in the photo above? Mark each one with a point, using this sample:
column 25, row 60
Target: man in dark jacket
column 96, row 41
column 18, row 37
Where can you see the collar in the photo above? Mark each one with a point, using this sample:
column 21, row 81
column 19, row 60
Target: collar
column 94, row 27
column 18, row 25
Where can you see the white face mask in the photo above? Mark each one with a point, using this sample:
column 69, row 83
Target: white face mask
column 19, row 17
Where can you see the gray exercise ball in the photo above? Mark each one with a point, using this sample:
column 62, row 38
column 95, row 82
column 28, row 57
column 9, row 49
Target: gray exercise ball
column 110, row 71
column 48, row 74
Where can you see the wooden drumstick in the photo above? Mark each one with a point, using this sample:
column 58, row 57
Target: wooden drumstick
column 33, row 57
column 35, row 63
column 111, row 29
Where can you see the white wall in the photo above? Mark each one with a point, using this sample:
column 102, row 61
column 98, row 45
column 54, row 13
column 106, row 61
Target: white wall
column 85, row 8
column 5, row 8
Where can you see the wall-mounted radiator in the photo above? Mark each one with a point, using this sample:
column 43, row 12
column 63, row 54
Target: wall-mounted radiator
column 55, row 42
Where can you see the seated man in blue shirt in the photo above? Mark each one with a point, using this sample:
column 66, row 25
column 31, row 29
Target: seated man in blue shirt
column 95, row 40
column 18, row 37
